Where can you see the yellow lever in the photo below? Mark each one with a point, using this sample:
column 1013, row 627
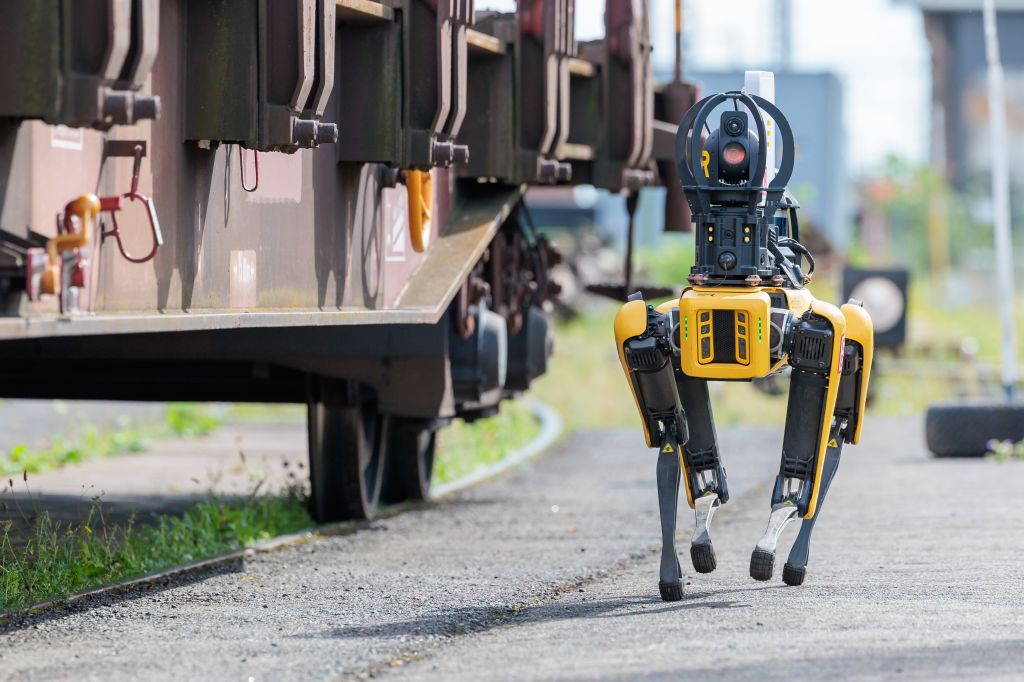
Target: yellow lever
column 420, row 189
column 85, row 208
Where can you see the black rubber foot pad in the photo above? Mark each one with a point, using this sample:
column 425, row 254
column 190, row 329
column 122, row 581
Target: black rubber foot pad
column 762, row 565
column 703, row 557
column 793, row 575
column 671, row 591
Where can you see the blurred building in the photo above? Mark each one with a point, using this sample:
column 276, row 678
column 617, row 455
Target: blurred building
column 960, row 131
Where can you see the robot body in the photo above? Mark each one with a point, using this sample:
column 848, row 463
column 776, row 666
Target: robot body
column 746, row 316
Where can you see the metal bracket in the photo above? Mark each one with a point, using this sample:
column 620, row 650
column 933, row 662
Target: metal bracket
column 704, row 509
column 781, row 516
column 127, row 148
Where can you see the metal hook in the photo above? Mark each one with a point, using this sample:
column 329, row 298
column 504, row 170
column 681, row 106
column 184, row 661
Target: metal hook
column 154, row 226
column 241, row 168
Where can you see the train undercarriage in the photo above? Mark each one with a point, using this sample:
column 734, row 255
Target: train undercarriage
column 317, row 202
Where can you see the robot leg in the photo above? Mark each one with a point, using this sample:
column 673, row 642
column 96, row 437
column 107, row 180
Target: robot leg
column 670, row 577
column 815, row 352
column 857, row 356
column 643, row 338
column 795, row 570
column 707, row 488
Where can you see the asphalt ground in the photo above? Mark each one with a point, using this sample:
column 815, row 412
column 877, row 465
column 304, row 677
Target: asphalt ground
column 550, row 572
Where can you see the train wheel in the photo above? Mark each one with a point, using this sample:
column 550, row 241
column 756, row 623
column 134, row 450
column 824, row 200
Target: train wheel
column 347, row 449
column 410, row 461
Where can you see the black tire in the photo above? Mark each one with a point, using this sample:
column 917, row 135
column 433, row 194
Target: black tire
column 409, row 466
column 793, row 575
column 762, row 565
column 671, row 591
column 347, row 449
column 703, row 558
column 964, row 429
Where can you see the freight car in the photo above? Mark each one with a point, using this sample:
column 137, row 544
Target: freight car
column 313, row 201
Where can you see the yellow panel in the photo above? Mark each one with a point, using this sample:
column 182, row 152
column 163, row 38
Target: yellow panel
column 859, row 328
column 754, row 303
column 835, row 316
column 630, row 321
column 799, row 300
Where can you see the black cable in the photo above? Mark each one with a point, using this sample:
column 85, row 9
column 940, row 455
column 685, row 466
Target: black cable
column 794, row 245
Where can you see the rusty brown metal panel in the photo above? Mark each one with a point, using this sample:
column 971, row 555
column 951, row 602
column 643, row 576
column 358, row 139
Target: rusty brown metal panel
column 319, row 241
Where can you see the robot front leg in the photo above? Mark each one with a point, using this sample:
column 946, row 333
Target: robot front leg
column 670, row 577
column 795, row 570
column 643, row 338
column 849, row 409
column 815, row 345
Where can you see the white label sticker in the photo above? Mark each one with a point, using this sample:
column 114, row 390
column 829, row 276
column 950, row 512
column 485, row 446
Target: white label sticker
column 63, row 137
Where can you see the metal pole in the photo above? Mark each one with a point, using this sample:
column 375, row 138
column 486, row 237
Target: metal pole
column 783, row 35
column 679, row 41
column 1001, row 198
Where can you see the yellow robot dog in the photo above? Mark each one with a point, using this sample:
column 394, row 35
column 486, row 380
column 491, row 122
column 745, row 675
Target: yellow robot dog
column 746, row 315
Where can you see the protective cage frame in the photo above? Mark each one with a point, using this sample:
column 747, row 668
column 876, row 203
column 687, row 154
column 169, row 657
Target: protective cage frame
column 700, row 193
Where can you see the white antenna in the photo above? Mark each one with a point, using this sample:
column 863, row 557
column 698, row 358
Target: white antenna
column 1001, row 197
column 762, row 84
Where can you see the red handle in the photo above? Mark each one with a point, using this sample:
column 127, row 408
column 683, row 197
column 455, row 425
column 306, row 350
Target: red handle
column 113, row 205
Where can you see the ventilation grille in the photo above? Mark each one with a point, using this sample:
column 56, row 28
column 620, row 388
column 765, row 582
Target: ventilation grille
column 812, row 347
column 646, row 359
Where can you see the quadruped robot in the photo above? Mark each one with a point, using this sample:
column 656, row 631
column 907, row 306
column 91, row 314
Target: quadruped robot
column 745, row 315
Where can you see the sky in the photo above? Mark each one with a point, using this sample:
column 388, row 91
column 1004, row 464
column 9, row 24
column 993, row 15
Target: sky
column 877, row 48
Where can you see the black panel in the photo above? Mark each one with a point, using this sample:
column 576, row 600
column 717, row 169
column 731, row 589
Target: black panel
column 724, row 336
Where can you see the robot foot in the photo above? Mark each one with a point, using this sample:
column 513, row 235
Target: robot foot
column 671, row 591
column 702, row 552
column 762, row 560
column 793, row 575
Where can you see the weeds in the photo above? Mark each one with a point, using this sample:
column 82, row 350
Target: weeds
column 1005, row 450
column 61, row 559
column 181, row 420
column 462, row 448
column 189, row 420
column 92, row 442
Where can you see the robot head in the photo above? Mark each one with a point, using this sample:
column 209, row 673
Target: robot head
column 727, row 167
column 724, row 175
column 728, row 150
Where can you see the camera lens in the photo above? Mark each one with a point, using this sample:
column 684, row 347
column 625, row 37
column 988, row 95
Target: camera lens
column 734, row 126
column 734, row 154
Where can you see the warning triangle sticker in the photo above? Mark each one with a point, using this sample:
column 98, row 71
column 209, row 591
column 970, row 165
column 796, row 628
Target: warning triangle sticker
column 667, row 448
column 833, row 444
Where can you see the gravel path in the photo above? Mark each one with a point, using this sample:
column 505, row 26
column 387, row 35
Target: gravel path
column 550, row 573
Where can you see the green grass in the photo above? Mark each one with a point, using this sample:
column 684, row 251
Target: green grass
column 59, row 560
column 268, row 413
column 181, row 420
column 53, row 560
column 462, row 447
column 91, row 442
column 190, row 420
column 1005, row 450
